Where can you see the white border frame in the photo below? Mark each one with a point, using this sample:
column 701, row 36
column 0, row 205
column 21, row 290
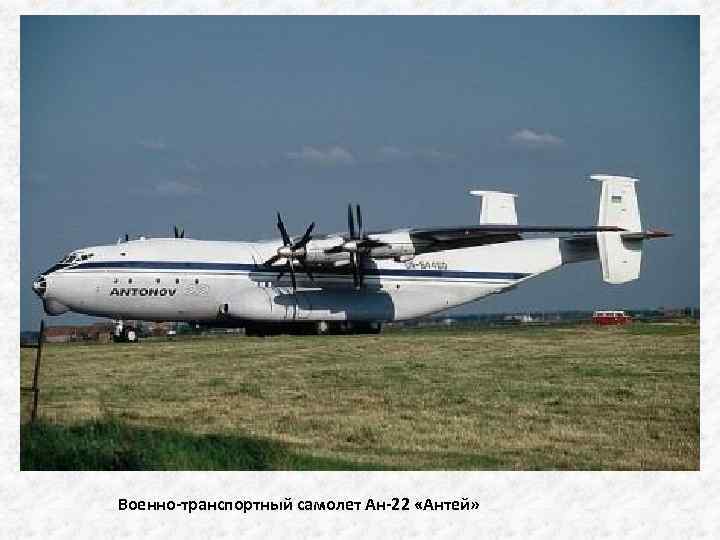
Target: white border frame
column 633, row 504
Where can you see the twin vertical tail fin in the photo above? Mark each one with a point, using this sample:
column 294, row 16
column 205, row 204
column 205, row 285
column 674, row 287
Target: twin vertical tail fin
column 620, row 252
column 496, row 207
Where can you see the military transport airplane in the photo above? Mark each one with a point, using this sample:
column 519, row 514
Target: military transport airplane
column 350, row 281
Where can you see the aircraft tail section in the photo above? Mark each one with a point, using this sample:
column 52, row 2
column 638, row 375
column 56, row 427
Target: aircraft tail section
column 496, row 207
column 620, row 252
column 618, row 202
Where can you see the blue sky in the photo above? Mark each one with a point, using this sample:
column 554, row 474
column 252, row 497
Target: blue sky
column 131, row 124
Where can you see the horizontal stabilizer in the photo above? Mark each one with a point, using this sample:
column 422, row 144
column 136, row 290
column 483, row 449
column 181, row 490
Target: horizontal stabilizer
column 647, row 235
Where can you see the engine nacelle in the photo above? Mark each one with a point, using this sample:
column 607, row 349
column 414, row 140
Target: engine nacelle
column 396, row 244
column 316, row 251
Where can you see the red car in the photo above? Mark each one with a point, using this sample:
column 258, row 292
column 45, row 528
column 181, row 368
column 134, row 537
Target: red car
column 611, row 317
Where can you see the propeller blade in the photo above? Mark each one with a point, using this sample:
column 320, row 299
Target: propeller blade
column 271, row 260
column 359, row 221
column 306, row 237
column 306, row 270
column 127, row 237
column 292, row 275
column 283, row 232
column 351, row 222
column 353, row 264
column 182, row 233
column 176, row 232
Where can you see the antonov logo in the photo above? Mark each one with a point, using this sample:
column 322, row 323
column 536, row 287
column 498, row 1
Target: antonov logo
column 142, row 291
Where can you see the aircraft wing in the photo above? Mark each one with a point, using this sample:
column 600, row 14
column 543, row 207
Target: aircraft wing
column 643, row 235
column 441, row 238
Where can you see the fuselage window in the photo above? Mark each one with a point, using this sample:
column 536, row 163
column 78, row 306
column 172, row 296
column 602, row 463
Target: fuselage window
column 177, row 281
column 197, row 281
column 157, row 280
column 115, row 280
column 129, row 280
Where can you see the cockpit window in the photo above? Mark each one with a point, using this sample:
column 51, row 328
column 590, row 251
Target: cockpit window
column 75, row 258
column 69, row 260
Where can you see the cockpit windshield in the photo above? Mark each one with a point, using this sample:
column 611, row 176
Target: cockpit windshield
column 69, row 260
column 74, row 257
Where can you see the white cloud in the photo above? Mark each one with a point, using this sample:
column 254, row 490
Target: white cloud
column 153, row 144
column 334, row 155
column 176, row 187
column 438, row 155
column 191, row 165
column 528, row 137
column 393, row 152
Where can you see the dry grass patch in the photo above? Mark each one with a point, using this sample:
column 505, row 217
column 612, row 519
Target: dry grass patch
column 468, row 398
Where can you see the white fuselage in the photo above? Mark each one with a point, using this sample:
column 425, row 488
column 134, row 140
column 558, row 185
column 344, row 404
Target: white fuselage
column 177, row 279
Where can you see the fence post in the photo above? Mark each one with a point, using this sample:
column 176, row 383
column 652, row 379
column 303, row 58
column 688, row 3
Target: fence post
column 35, row 388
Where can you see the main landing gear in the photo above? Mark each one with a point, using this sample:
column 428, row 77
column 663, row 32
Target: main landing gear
column 125, row 333
column 319, row 328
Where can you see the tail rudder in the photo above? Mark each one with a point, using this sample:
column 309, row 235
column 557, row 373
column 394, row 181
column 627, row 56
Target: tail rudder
column 618, row 202
column 496, row 207
column 620, row 252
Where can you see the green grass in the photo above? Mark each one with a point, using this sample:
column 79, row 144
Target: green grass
column 114, row 445
column 574, row 397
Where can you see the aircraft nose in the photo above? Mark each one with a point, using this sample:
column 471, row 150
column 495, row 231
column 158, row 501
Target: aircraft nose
column 39, row 286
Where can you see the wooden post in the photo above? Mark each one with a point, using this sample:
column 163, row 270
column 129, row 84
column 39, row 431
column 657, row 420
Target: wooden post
column 35, row 388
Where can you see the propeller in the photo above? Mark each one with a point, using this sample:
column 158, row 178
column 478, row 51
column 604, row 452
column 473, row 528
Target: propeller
column 352, row 245
column 358, row 245
column 290, row 252
column 179, row 231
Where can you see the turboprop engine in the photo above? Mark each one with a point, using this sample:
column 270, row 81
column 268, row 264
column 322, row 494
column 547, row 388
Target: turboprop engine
column 378, row 246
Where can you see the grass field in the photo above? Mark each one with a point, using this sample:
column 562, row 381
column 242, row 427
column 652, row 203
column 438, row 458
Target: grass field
column 459, row 398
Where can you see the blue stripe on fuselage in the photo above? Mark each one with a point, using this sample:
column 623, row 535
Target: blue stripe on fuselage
column 245, row 267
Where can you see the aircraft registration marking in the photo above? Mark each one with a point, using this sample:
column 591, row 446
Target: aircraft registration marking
column 426, row 265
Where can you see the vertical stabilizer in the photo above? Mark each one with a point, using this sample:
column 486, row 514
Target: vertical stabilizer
column 619, row 257
column 496, row 207
column 618, row 202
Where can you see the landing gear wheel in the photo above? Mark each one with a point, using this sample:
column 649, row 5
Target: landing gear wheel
column 128, row 334
column 254, row 330
column 131, row 335
column 322, row 328
column 367, row 328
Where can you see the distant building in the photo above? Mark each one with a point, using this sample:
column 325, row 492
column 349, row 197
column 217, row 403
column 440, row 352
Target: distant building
column 63, row 334
column 100, row 331
column 162, row 329
column 518, row 319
